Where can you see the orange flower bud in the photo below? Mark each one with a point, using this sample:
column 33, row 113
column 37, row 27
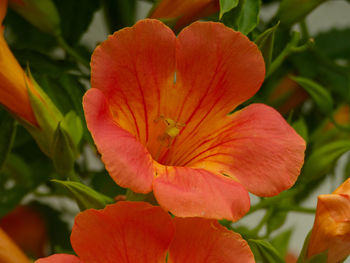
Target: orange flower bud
column 28, row 230
column 9, row 252
column 184, row 12
column 331, row 230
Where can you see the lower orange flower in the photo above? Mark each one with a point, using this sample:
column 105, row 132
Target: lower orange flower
column 331, row 230
column 133, row 232
column 158, row 113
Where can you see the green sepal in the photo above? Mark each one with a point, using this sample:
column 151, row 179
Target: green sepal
column 62, row 150
column 85, row 196
column 226, row 6
column 40, row 13
column 73, row 125
column 46, row 114
column 265, row 42
column 319, row 94
column 265, row 251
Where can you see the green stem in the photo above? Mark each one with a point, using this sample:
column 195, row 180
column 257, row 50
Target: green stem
column 304, row 30
column 300, row 209
column 255, row 231
column 71, row 52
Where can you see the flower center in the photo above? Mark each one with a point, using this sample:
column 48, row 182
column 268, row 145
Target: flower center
column 171, row 130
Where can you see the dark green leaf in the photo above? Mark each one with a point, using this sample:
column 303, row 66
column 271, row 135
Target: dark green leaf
column 119, row 13
column 7, row 135
column 281, row 242
column 76, row 18
column 249, row 16
column 267, row 252
column 227, row 5
column 334, row 43
column 85, row 196
column 319, row 94
column 265, row 42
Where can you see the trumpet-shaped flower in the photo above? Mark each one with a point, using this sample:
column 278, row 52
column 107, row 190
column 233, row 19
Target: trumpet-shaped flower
column 14, row 83
column 184, row 12
column 331, row 230
column 158, row 113
column 130, row 232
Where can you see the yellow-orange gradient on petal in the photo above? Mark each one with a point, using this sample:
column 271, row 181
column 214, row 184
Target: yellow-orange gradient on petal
column 9, row 252
column 136, row 232
column 184, row 12
column 13, row 81
column 331, row 230
column 158, row 113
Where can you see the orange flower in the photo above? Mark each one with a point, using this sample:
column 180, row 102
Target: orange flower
column 130, row 232
column 27, row 228
column 331, row 230
column 184, row 12
column 9, row 252
column 13, row 80
column 158, row 110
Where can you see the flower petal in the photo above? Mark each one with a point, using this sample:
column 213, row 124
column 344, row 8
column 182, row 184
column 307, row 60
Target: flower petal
column 256, row 147
column 188, row 192
column 206, row 241
column 3, row 9
column 59, row 258
column 133, row 69
column 127, row 161
column 125, row 232
column 217, row 69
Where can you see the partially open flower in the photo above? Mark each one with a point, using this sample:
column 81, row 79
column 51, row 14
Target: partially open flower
column 14, row 83
column 181, row 13
column 331, row 230
column 134, row 232
column 158, row 113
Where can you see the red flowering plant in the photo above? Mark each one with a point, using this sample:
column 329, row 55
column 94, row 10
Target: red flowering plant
column 171, row 136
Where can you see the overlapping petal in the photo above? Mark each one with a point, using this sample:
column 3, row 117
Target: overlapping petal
column 206, row 241
column 148, row 79
column 9, row 252
column 134, row 232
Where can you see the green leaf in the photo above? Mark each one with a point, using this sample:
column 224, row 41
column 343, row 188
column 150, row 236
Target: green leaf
column 85, row 196
column 249, row 16
column 276, row 220
column 265, row 42
column 319, row 94
column 76, row 18
column 334, row 43
column 7, row 135
column 226, row 6
column 281, row 242
column 266, row 251
column 323, row 159
column 119, row 13
column 292, row 11
column 301, row 128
